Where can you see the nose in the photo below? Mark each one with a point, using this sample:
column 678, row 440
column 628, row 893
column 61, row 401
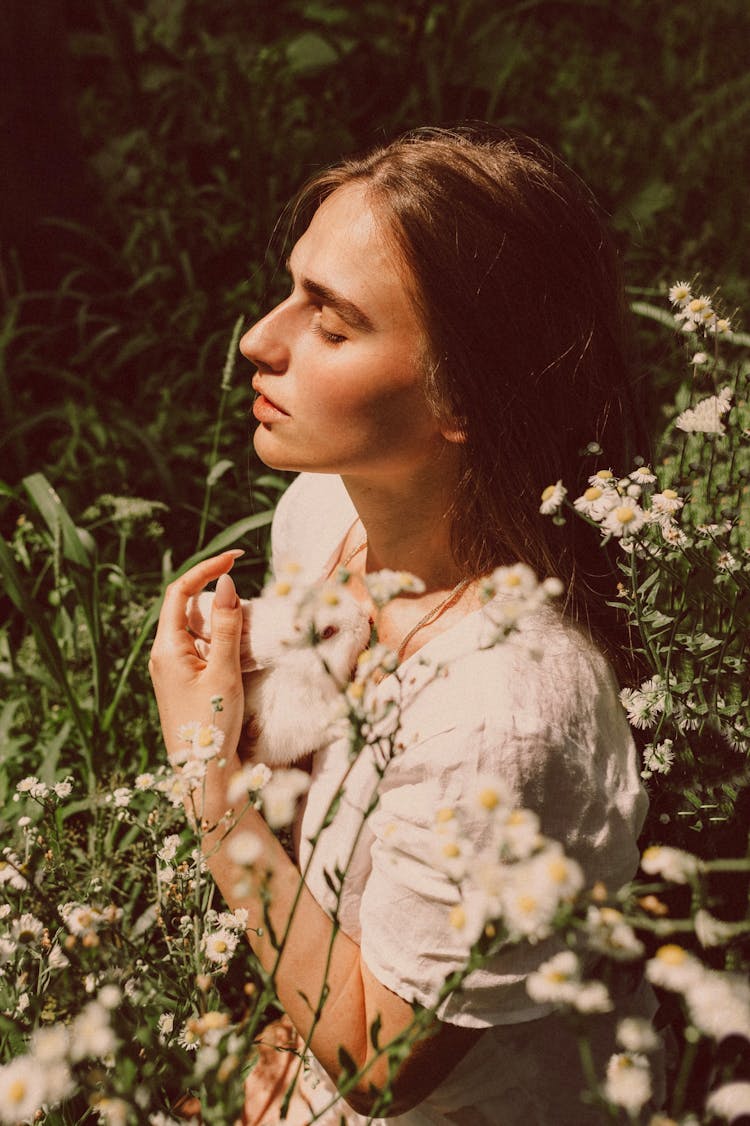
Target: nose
column 264, row 344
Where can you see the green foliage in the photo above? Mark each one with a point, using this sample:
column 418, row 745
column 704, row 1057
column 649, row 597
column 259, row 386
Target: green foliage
column 125, row 443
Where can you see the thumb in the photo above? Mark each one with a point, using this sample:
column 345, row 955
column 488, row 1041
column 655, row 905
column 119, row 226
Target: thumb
column 226, row 624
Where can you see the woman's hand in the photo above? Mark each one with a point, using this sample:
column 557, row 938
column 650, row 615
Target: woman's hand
column 184, row 683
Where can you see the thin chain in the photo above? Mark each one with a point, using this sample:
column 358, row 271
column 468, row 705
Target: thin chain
column 431, row 615
column 355, row 551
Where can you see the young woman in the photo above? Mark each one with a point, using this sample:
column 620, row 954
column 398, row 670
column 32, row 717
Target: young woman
column 451, row 345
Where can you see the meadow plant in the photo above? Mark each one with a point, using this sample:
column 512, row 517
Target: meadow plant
column 127, row 993
column 684, row 582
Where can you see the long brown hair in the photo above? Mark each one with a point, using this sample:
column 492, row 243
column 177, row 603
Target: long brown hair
column 518, row 286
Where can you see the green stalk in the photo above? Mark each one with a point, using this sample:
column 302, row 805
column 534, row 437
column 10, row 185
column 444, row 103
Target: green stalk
column 226, row 385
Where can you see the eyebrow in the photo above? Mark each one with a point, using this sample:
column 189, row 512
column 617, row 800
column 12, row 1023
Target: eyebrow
column 345, row 308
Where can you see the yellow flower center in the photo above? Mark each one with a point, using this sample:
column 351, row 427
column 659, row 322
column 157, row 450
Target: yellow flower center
column 356, row 691
column 220, row 946
column 331, row 598
column 282, row 588
column 488, row 798
column 516, row 817
column 593, row 493
column 527, row 904
column 625, row 514
column 696, row 305
column 672, row 954
column 558, row 870
column 17, row 1091
column 604, row 474
column 451, row 849
column 205, row 737
column 669, row 494
column 457, row 917
column 549, row 492
column 513, row 579
column 443, row 815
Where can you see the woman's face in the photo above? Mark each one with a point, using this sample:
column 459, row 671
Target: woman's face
column 340, row 361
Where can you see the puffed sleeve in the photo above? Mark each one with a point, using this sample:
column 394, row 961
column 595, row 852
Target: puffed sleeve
column 549, row 725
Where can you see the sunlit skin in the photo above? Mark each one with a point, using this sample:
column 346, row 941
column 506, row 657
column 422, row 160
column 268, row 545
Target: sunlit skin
column 350, row 386
column 340, row 392
column 340, row 378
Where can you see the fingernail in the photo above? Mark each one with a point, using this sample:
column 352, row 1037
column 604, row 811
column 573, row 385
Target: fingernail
column 236, row 552
column 226, row 596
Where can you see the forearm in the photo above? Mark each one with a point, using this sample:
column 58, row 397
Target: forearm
column 315, row 959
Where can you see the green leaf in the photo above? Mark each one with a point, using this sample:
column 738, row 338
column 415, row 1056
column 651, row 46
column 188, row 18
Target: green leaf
column 347, row 1065
column 309, row 51
column 218, row 470
column 375, row 1032
column 49, row 650
column 56, row 517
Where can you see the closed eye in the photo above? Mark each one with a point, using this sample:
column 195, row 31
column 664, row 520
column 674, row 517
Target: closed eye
column 329, row 337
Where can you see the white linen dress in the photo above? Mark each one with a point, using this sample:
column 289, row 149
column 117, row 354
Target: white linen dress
column 540, row 711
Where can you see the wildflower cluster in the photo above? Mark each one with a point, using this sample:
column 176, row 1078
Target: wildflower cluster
column 696, row 314
column 519, row 880
column 685, row 583
column 97, row 960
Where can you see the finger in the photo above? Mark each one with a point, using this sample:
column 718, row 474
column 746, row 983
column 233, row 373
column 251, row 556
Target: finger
column 199, row 614
column 173, row 614
column 226, row 628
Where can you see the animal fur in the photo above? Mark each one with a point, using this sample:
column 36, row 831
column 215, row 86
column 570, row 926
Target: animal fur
column 292, row 688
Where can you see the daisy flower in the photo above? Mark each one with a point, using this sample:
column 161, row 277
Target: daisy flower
column 245, row 848
column 91, row 1034
column 552, row 497
column 645, row 703
column 672, row 863
column 251, row 778
column 23, row 1089
column 658, row 757
column 609, row 932
column 597, row 501
column 625, row 520
column 731, row 1101
column 679, row 293
column 603, row 477
column 220, row 945
column 383, row 586
column 628, row 1082
column 643, row 475
column 635, row 1034
column 666, row 502
column 672, row 967
column 279, row 796
column 705, row 417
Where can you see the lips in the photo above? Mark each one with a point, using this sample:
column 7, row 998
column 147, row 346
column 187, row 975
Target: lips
column 265, row 409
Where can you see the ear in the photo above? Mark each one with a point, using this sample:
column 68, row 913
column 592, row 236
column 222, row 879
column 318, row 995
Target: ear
column 454, row 431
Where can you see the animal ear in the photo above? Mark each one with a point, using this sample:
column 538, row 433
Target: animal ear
column 328, row 632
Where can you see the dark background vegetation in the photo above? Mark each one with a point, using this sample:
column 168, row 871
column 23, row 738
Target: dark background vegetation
column 148, row 148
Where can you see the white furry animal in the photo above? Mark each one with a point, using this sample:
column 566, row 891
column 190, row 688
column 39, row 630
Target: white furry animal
column 292, row 687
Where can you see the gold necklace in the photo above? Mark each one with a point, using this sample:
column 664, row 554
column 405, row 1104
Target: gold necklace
column 431, row 615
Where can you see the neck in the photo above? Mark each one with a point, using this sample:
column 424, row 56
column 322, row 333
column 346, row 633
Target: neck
column 407, row 526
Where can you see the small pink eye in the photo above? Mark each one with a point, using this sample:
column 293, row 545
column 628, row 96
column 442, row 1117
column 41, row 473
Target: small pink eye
column 329, row 631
